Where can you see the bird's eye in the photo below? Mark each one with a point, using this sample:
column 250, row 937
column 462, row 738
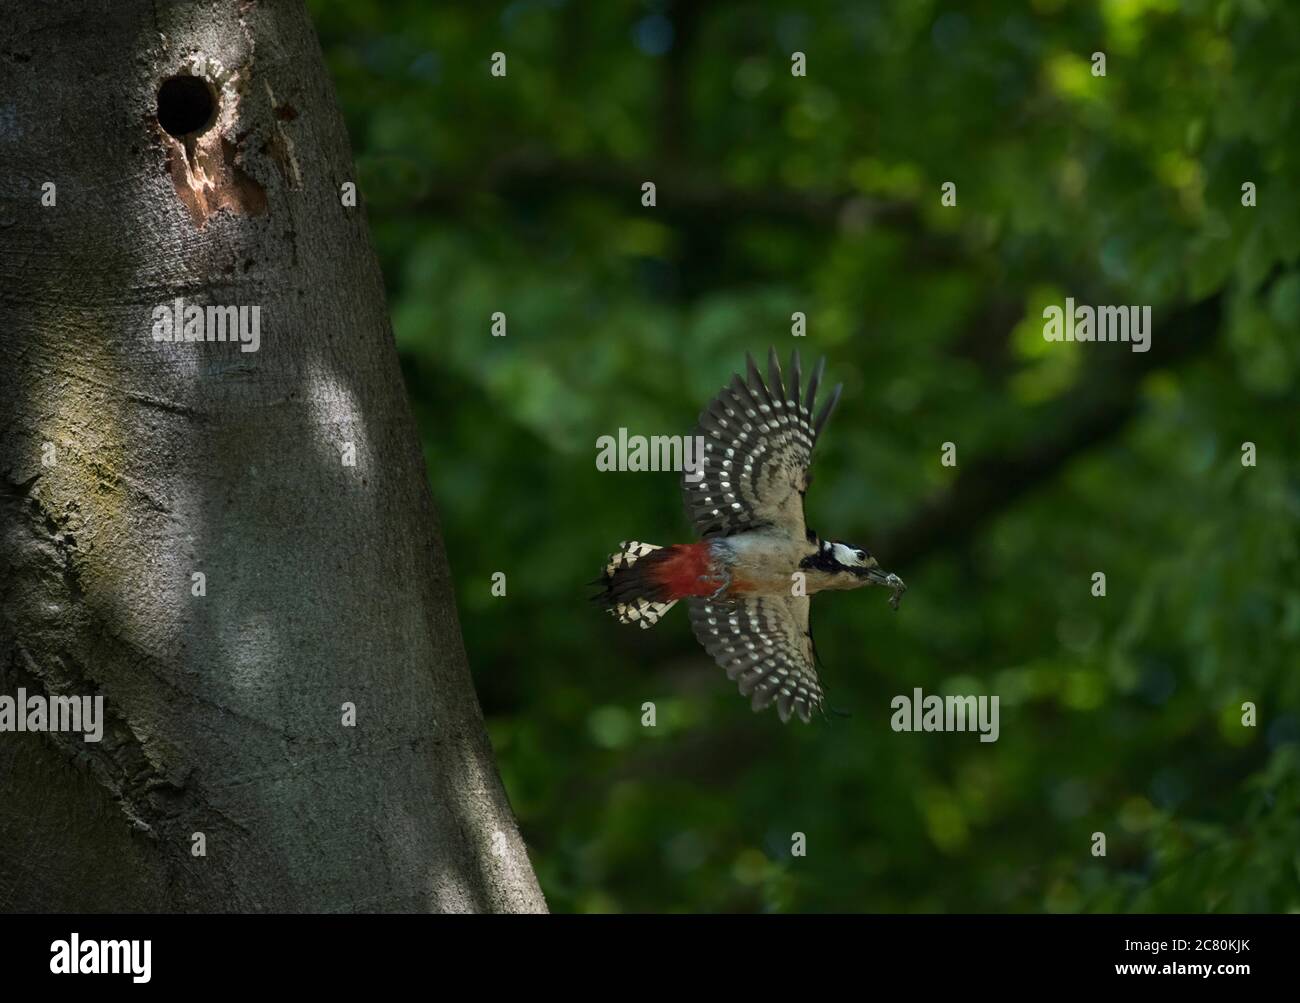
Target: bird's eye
column 862, row 555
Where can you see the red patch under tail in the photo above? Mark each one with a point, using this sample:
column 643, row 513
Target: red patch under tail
column 642, row 572
column 676, row 572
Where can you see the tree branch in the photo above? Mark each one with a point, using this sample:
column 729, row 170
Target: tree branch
column 1097, row 409
column 683, row 193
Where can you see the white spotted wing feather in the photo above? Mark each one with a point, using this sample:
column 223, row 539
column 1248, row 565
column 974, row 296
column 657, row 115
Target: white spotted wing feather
column 758, row 440
column 764, row 644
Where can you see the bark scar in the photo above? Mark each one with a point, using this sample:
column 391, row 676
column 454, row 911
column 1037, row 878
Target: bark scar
column 43, row 555
column 280, row 146
column 208, row 178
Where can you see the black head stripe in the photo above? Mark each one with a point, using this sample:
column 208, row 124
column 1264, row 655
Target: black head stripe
column 822, row 560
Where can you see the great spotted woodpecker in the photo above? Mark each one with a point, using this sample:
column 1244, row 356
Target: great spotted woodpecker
column 746, row 584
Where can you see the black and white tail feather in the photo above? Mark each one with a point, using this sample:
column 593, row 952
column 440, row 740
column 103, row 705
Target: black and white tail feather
column 625, row 589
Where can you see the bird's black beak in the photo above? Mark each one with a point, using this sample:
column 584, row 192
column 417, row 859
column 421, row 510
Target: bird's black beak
column 889, row 580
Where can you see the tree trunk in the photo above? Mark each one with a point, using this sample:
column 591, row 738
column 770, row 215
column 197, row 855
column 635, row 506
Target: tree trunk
column 130, row 465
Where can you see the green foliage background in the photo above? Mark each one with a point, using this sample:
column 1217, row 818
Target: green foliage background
column 1119, row 714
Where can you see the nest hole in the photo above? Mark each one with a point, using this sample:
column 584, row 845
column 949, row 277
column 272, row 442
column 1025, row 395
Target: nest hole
column 187, row 106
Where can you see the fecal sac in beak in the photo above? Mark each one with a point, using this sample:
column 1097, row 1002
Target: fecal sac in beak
column 890, row 581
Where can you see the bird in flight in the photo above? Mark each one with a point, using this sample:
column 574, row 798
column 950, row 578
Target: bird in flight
column 746, row 583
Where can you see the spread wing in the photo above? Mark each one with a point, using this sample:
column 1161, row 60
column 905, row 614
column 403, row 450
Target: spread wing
column 758, row 441
column 765, row 645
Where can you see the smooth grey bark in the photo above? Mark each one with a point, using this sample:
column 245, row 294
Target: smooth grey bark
column 325, row 583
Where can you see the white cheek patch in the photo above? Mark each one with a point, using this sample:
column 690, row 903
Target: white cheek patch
column 846, row 556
